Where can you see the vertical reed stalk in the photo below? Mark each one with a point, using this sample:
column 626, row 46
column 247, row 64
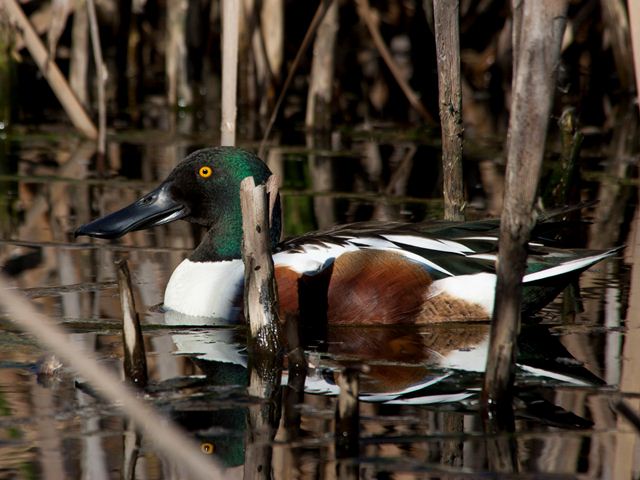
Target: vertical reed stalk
column 266, row 28
column 540, row 40
column 178, row 91
column 6, row 44
column 634, row 21
column 446, row 18
column 50, row 71
column 272, row 19
column 101, row 76
column 230, row 26
column 80, row 53
column 614, row 17
column 320, row 94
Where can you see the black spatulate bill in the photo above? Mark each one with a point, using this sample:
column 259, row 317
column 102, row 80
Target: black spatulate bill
column 155, row 208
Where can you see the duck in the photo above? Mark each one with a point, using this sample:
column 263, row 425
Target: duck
column 366, row 273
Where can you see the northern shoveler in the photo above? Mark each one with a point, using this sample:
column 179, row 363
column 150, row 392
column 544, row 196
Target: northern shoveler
column 363, row 273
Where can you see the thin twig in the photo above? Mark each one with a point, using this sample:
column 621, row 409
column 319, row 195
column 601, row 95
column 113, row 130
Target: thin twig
column 306, row 41
column 365, row 13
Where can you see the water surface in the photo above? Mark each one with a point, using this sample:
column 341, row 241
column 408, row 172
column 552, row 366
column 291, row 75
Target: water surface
column 418, row 410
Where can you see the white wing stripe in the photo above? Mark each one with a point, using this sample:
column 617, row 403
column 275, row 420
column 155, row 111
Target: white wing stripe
column 429, row 243
column 566, row 267
column 487, row 238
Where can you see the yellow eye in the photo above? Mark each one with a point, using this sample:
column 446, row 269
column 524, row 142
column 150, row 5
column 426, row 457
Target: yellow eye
column 205, row 172
column 207, row 448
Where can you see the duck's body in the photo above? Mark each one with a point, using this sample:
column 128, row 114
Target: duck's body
column 363, row 285
column 366, row 273
column 390, row 277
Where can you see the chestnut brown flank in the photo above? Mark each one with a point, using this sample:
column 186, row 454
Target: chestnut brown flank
column 374, row 287
column 369, row 287
column 287, row 281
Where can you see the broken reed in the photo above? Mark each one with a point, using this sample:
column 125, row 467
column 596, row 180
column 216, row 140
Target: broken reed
column 260, row 293
column 135, row 361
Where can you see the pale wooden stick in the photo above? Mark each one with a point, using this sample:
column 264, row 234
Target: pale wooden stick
column 169, row 440
column 50, row 71
column 230, row 25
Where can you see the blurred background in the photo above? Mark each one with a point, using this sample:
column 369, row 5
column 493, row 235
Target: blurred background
column 348, row 144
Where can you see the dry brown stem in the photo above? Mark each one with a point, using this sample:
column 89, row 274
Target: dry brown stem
column 446, row 13
column 543, row 23
column 50, row 70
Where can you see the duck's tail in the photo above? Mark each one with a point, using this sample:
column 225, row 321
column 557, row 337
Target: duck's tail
column 561, row 263
column 545, row 280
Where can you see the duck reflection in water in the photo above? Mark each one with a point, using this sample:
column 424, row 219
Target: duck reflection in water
column 437, row 364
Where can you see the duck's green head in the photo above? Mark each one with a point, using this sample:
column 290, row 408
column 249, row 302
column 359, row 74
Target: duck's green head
column 203, row 189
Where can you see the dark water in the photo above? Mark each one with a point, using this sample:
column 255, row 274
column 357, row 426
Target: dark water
column 418, row 409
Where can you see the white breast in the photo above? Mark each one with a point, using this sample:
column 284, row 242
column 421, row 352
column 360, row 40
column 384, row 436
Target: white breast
column 205, row 289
